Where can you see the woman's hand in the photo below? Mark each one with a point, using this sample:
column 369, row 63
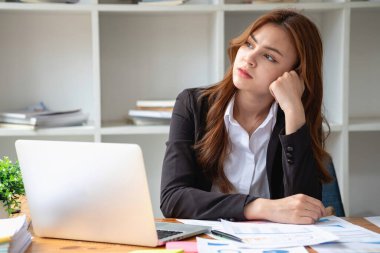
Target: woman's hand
column 287, row 91
column 295, row 209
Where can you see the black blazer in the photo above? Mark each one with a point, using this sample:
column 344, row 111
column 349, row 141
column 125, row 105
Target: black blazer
column 185, row 190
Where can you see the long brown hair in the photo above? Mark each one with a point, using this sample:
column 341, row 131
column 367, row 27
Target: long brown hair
column 213, row 148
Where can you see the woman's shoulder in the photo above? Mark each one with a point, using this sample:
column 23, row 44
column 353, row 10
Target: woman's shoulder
column 192, row 95
column 194, row 102
column 192, row 92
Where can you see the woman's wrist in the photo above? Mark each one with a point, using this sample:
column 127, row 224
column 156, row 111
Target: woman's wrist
column 294, row 119
column 257, row 209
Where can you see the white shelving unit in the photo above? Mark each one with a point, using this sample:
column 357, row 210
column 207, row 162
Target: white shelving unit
column 103, row 56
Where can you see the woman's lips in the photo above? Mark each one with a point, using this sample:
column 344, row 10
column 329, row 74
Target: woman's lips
column 244, row 73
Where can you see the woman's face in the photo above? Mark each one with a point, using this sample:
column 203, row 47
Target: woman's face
column 267, row 54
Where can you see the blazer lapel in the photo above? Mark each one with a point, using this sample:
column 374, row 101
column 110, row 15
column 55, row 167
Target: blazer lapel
column 272, row 151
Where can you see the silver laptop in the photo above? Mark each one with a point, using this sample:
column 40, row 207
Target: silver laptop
column 92, row 192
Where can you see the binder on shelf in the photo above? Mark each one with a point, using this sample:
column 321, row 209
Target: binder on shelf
column 162, row 2
column 152, row 112
column 50, row 1
column 155, row 103
column 27, row 114
column 150, row 117
column 38, row 116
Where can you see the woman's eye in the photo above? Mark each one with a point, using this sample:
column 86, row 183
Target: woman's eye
column 249, row 45
column 270, row 58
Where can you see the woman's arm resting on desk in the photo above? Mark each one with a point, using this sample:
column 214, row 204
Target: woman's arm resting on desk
column 185, row 191
column 302, row 187
column 296, row 209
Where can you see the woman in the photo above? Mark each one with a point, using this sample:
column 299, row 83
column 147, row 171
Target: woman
column 252, row 146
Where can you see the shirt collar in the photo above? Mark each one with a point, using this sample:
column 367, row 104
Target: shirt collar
column 271, row 117
column 229, row 114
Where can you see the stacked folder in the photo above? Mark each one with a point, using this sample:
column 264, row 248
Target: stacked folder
column 162, row 2
column 152, row 112
column 14, row 235
column 38, row 116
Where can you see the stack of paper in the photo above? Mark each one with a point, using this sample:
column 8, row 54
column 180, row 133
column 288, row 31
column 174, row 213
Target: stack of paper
column 50, row 1
column 162, row 2
column 38, row 116
column 374, row 219
column 329, row 234
column 352, row 238
column 14, row 235
column 152, row 112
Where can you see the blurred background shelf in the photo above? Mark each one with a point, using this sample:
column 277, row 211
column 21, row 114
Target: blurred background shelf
column 364, row 124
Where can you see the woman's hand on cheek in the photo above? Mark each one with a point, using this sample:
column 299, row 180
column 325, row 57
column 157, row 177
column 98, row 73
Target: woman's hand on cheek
column 295, row 209
column 288, row 90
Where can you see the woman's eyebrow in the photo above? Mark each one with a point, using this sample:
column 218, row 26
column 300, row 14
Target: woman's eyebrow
column 267, row 47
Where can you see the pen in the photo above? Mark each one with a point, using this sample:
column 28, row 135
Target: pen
column 225, row 235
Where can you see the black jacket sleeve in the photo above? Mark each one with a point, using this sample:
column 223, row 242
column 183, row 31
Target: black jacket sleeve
column 185, row 192
column 301, row 174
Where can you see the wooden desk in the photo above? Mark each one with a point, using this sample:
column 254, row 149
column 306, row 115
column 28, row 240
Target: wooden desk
column 55, row 245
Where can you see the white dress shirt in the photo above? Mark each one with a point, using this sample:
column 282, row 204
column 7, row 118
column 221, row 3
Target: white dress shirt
column 245, row 165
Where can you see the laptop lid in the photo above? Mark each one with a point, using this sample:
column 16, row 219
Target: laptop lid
column 89, row 191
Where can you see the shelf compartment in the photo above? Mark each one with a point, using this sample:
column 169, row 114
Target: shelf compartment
column 364, row 173
column 364, row 74
column 46, row 57
column 154, row 56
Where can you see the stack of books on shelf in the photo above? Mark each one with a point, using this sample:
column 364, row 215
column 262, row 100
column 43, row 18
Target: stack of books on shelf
column 39, row 116
column 162, row 2
column 152, row 112
column 45, row 1
column 14, row 235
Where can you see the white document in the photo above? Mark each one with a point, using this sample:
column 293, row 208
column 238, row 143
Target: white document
column 275, row 235
column 9, row 227
column 352, row 238
column 214, row 246
column 346, row 231
column 15, row 235
column 352, row 247
column 374, row 219
column 215, row 225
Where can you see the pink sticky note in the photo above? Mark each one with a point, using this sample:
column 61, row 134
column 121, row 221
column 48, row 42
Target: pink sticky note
column 188, row 247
